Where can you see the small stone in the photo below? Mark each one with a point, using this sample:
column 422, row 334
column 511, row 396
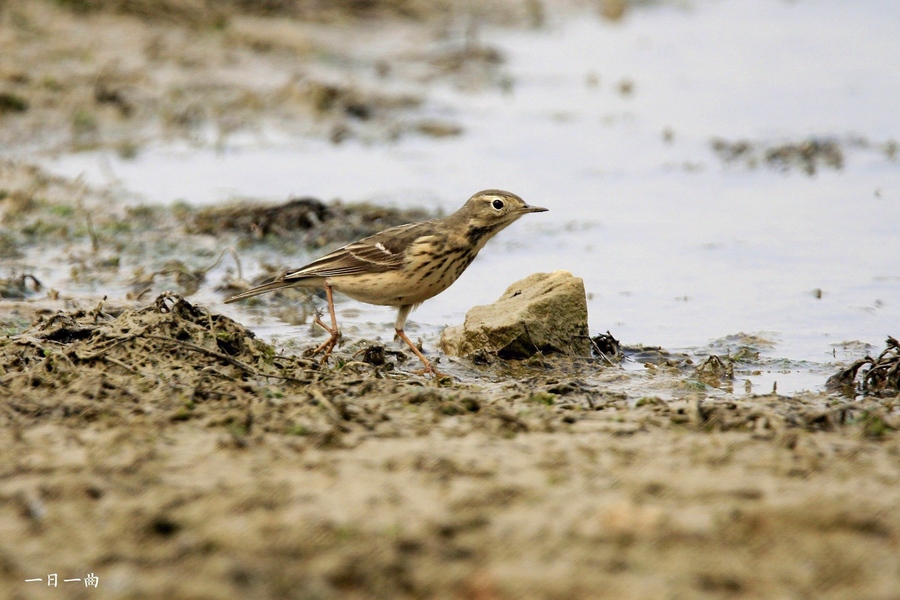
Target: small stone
column 545, row 312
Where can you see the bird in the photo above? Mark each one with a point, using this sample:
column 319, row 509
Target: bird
column 403, row 266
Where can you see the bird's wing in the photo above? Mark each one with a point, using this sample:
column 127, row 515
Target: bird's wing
column 385, row 251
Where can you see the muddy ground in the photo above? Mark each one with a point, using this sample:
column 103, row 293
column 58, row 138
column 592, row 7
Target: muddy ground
column 151, row 441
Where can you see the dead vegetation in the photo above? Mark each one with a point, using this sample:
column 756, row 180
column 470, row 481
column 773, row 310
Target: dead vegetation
column 173, row 361
column 305, row 221
column 216, row 13
column 807, row 156
column 878, row 376
column 163, row 359
column 177, row 361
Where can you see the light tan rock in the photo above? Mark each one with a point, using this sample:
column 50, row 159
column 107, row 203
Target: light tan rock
column 544, row 312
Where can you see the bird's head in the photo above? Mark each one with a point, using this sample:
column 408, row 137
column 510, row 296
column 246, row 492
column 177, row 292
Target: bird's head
column 489, row 211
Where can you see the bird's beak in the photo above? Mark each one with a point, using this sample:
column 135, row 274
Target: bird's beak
column 531, row 209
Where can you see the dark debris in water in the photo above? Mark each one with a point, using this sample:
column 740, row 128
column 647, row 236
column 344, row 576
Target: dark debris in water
column 604, row 345
column 808, row 155
column 656, row 356
column 715, row 370
column 871, row 376
column 307, row 220
column 260, row 220
column 19, row 287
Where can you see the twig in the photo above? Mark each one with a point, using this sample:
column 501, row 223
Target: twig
column 119, row 363
column 208, row 352
column 233, row 361
column 99, row 353
column 325, row 403
column 598, row 350
column 95, row 244
column 97, row 311
column 234, row 255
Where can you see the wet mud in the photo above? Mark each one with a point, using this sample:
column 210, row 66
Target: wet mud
column 159, row 444
column 167, row 449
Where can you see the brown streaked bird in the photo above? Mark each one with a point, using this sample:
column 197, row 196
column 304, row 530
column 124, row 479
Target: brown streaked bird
column 406, row 265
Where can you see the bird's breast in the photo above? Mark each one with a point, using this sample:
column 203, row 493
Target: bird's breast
column 427, row 271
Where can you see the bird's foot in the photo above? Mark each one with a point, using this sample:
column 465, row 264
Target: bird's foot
column 326, row 348
column 330, row 343
column 430, row 368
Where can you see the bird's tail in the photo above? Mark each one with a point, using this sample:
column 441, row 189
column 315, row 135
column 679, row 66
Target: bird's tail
column 261, row 289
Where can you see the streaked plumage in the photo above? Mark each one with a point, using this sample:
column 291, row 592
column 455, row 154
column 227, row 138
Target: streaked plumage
column 404, row 266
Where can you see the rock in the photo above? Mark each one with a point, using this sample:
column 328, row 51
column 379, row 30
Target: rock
column 544, row 312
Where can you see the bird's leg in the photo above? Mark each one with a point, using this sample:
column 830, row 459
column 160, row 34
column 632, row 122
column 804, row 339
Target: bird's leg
column 402, row 314
column 429, row 368
column 332, row 341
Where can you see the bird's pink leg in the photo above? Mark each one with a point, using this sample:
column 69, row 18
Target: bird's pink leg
column 332, row 341
column 429, row 368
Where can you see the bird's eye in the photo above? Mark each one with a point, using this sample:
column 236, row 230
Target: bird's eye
column 497, row 204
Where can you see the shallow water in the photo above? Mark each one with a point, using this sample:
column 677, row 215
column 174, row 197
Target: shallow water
column 676, row 248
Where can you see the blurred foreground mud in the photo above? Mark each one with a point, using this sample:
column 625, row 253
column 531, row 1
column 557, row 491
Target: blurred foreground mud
column 166, row 449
